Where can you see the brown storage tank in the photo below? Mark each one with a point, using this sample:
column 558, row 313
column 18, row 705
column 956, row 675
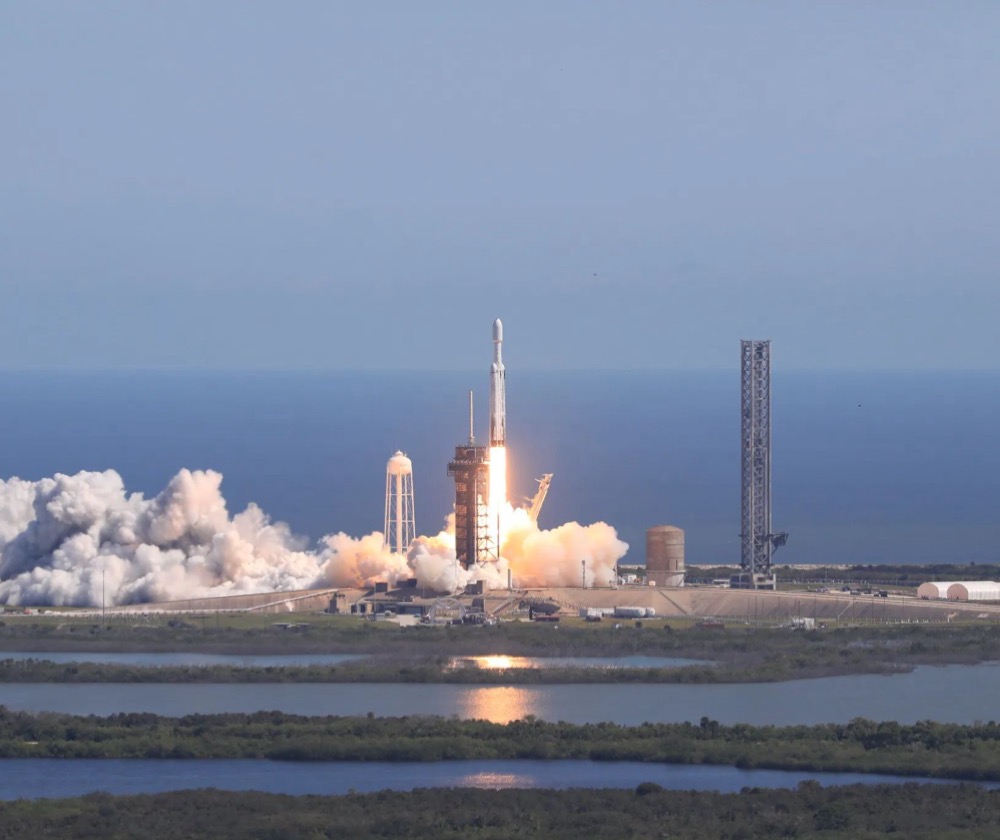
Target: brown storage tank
column 665, row 556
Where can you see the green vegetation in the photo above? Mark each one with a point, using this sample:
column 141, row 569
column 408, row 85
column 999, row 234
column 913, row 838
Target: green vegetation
column 422, row 654
column 857, row 812
column 924, row 749
column 375, row 671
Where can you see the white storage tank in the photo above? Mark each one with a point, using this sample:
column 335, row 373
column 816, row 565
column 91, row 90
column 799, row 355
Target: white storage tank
column 665, row 556
column 630, row 612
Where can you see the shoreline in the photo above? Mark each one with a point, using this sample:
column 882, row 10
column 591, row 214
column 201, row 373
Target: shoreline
column 401, row 672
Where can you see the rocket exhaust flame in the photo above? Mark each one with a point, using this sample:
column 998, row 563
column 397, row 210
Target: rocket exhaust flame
column 498, row 441
column 498, row 505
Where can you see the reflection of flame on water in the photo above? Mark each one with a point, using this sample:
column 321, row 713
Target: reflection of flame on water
column 497, row 704
column 494, row 662
column 496, row 781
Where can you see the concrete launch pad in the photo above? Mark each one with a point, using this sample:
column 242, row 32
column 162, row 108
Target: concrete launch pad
column 693, row 602
column 766, row 606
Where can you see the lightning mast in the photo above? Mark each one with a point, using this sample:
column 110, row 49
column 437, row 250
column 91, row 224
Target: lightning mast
column 758, row 540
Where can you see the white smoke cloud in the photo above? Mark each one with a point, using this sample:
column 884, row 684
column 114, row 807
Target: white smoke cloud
column 349, row 561
column 563, row 555
column 64, row 539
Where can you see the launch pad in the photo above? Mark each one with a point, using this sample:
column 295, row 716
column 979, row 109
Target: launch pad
column 698, row 604
column 480, row 474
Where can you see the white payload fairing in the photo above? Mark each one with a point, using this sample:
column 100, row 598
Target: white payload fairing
column 498, row 396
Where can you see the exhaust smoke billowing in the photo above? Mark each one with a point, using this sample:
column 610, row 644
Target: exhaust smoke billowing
column 65, row 539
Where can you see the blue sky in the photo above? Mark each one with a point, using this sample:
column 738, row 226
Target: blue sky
column 628, row 185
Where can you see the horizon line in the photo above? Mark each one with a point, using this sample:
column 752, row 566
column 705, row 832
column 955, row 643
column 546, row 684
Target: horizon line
column 161, row 369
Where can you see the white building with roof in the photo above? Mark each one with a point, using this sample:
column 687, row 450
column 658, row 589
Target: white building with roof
column 974, row 590
column 933, row 590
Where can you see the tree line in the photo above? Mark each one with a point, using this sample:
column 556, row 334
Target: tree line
column 930, row 749
column 858, row 812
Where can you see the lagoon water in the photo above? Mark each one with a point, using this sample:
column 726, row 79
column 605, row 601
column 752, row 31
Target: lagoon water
column 43, row 778
column 928, row 693
column 868, row 467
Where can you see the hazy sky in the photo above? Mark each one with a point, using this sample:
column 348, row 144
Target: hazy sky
column 627, row 184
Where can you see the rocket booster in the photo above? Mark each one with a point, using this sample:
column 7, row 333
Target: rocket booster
column 498, row 389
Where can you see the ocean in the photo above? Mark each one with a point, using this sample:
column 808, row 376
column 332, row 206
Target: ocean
column 900, row 467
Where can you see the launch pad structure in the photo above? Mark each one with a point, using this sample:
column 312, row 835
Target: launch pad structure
column 471, row 471
column 757, row 538
column 475, row 541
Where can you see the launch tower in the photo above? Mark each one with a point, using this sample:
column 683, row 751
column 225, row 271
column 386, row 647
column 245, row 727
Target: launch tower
column 758, row 541
column 471, row 471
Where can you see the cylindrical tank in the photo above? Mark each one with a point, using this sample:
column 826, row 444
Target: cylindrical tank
column 665, row 556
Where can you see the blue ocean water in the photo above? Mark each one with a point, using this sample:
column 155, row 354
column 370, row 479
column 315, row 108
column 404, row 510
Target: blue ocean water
column 868, row 467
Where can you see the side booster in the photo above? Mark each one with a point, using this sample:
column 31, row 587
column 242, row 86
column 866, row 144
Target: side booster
column 498, row 390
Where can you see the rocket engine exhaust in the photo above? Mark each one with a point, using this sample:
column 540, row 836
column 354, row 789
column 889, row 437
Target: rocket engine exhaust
column 498, row 440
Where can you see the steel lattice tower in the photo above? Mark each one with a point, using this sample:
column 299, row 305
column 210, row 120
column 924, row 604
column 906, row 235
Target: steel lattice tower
column 757, row 538
column 471, row 471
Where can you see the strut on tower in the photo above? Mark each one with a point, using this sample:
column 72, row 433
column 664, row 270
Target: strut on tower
column 758, row 540
column 535, row 502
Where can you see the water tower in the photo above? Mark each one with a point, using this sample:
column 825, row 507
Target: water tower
column 400, row 527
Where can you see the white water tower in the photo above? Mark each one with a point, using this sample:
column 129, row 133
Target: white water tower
column 400, row 525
